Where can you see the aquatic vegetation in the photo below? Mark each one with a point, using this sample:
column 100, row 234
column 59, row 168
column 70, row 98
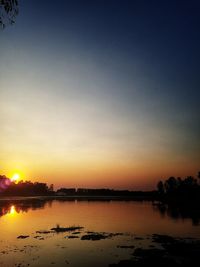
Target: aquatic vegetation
column 93, row 237
column 22, row 236
column 59, row 229
column 43, row 232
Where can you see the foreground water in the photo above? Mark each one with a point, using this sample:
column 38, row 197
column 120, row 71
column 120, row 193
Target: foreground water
column 122, row 225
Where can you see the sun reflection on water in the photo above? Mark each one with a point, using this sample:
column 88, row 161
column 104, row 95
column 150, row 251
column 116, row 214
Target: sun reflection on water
column 12, row 211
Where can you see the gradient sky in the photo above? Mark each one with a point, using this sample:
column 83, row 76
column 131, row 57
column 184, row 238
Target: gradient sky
column 101, row 93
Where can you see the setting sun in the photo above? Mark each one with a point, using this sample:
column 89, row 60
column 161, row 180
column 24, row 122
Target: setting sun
column 15, row 177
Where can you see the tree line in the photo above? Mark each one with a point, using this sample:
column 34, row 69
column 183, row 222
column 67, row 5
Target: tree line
column 187, row 188
column 28, row 188
column 23, row 188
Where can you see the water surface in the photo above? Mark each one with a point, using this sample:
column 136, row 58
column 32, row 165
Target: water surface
column 131, row 222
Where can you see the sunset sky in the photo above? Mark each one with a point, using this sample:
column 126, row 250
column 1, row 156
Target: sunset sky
column 101, row 93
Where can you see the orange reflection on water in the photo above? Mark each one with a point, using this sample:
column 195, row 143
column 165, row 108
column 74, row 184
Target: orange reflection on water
column 140, row 218
column 12, row 212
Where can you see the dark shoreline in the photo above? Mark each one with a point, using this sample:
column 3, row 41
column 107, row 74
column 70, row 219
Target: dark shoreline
column 121, row 198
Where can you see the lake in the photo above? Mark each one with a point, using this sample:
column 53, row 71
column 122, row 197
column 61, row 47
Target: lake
column 27, row 239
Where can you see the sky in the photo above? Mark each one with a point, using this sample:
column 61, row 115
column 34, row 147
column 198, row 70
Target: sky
column 101, row 93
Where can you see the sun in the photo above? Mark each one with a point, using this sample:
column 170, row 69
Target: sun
column 15, row 177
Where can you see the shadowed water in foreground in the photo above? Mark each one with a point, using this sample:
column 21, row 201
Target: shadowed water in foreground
column 49, row 232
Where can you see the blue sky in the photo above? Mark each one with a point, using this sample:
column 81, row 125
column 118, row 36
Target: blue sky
column 101, row 92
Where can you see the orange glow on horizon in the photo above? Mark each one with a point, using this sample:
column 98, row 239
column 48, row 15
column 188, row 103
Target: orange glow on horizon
column 114, row 173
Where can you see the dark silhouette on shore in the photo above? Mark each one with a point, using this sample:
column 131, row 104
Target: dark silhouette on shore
column 173, row 190
column 179, row 198
column 179, row 190
column 104, row 192
column 27, row 188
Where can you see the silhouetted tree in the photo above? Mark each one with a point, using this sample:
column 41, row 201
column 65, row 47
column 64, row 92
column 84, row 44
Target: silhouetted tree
column 51, row 188
column 190, row 181
column 160, row 187
column 198, row 176
column 8, row 12
column 170, row 185
column 27, row 188
column 179, row 181
column 186, row 189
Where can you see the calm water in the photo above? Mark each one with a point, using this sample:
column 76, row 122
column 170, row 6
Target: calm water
column 137, row 221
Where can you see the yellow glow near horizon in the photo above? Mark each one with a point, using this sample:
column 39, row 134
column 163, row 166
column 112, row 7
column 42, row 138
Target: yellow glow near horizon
column 15, row 177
